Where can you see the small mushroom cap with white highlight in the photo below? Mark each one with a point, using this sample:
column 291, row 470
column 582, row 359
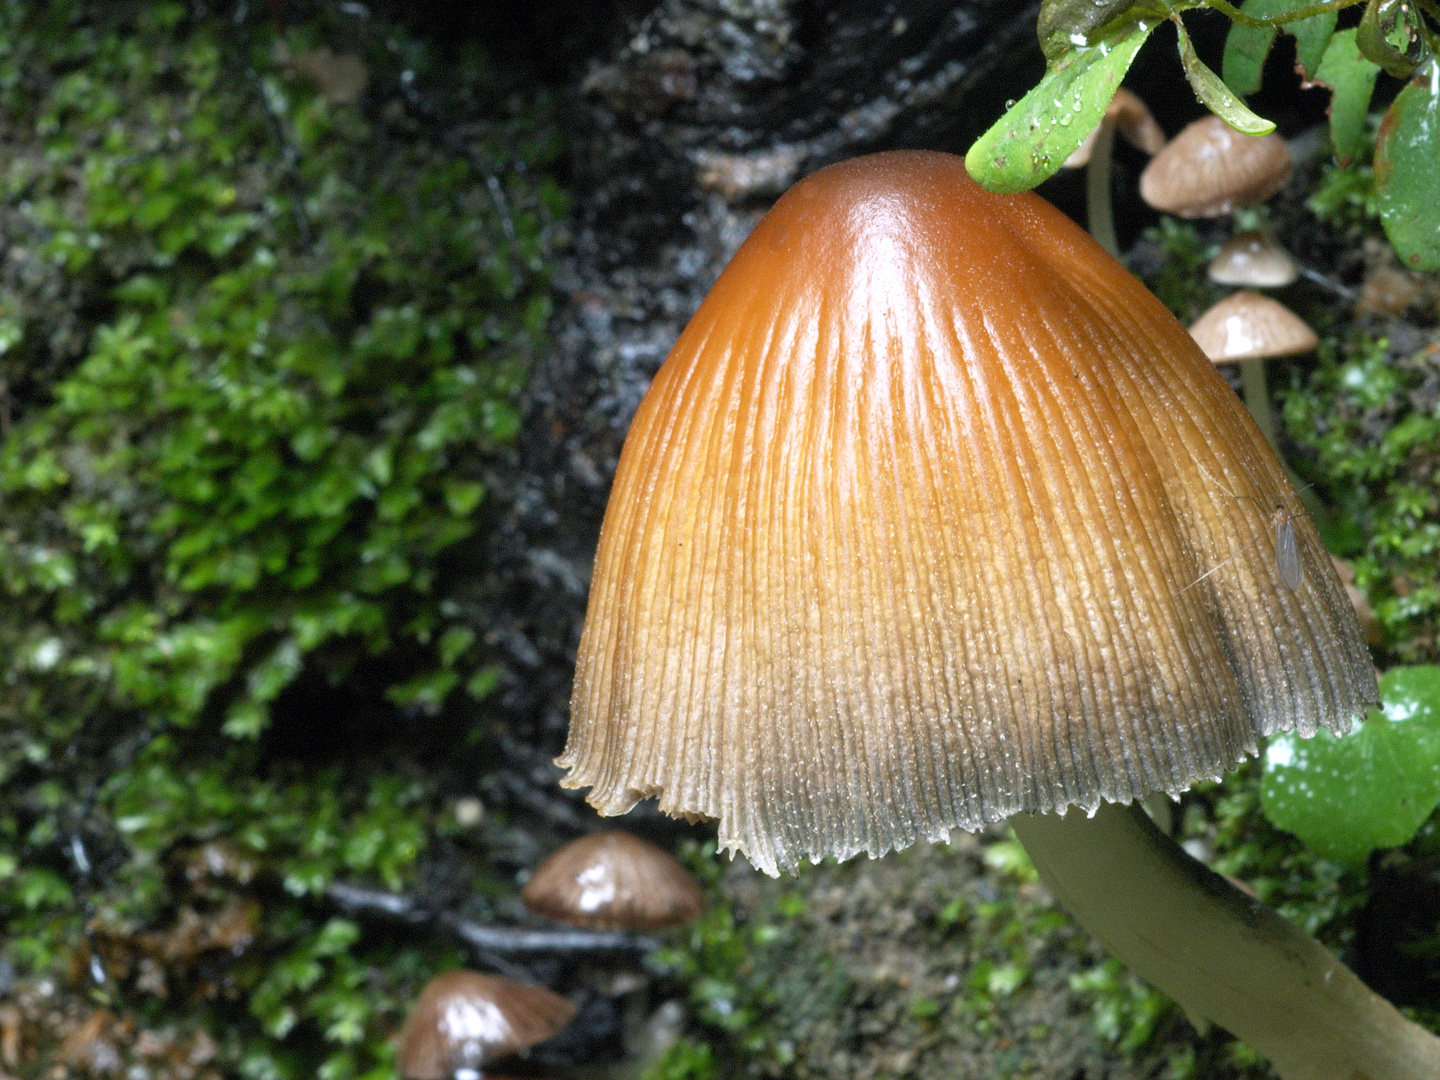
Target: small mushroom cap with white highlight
column 1248, row 326
column 611, row 880
column 1209, row 169
column 463, row 1020
column 1253, row 260
column 1132, row 119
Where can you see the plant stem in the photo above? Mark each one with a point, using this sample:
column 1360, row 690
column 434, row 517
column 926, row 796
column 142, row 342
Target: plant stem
column 1220, row 954
column 1097, row 188
column 1283, row 19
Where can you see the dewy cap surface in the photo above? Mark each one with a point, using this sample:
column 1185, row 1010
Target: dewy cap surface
column 912, row 531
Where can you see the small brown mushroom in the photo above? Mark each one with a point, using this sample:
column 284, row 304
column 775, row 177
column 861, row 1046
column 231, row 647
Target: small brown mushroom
column 1253, row 260
column 1247, row 329
column 1248, row 326
column 1209, row 169
column 464, row 1020
column 611, row 880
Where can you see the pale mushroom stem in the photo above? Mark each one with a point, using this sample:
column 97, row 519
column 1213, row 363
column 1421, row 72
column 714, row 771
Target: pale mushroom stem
column 1097, row 188
column 1222, row 955
column 1257, row 398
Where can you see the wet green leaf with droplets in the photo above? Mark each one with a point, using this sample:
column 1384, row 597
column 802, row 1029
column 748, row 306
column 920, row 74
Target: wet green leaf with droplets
column 1215, row 95
column 1351, row 79
column 1033, row 139
column 1346, row 796
column 1066, row 25
column 1407, row 171
column 1247, row 46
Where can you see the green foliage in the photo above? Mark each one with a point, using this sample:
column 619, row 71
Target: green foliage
column 1089, row 47
column 1347, row 795
column 259, row 349
column 1351, row 79
column 1407, row 170
column 1034, row 138
column 1127, row 1010
column 1369, row 420
column 686, row 1060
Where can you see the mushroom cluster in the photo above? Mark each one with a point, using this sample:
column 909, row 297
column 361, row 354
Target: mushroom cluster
column 1210, row 170
column 929, row 520
column 607, row 880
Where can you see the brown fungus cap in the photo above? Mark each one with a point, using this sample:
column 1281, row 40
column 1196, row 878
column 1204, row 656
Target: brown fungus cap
column 1248, row 326
column 1209, row 169
column 613, row 881
column 464, row 1019
column 1253, row 260
column 1132, row 119
column 912, row 531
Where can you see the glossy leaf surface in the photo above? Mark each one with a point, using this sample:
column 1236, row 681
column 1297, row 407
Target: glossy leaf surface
column 1066, row 25
column 1347, row 795
column 1216, row 96
column 1033, row 139
column 1407, row 171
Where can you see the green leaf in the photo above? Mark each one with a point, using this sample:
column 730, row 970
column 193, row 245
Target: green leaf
column 1407, row 171
column 1351, row 79
column 1384, row 37
column 1066, row 25
column 1247, row 46
column 1215, row 94
column 1033, row 139
column 1373, row 788
column 1312, row 38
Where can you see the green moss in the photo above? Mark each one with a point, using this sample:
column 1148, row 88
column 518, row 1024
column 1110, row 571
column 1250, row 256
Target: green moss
column 258, row 350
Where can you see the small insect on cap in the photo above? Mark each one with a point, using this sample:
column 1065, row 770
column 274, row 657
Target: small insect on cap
column 613, row 881
column 1209, row 169
column 463, row 1020
column 908, row 533
column 1246, row 325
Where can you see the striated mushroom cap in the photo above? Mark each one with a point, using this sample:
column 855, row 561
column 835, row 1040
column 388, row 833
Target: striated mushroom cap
column 1253, row 260
column 464, row 1019
column 1246, row 326
column 1209, row 169
column 918, row 526
column 1132, row 119
column 613, row 881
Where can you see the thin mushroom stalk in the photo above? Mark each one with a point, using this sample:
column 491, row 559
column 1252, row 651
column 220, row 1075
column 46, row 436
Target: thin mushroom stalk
column 1221, row 954
column 1128, row 115
column 1098, row 213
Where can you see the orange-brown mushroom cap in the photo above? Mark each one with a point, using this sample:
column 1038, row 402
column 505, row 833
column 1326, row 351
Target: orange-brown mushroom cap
column 465, row 1019
column 611, row 880
column 914, row 530
column 1210, row 168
